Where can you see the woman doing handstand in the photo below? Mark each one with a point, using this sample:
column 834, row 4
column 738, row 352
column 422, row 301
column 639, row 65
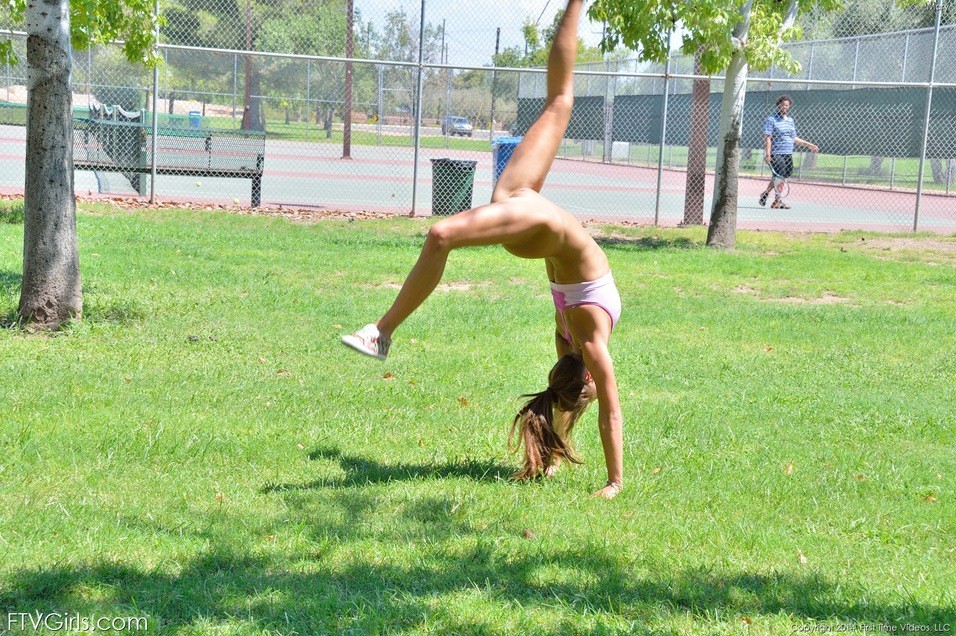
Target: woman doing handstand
column 586, row 301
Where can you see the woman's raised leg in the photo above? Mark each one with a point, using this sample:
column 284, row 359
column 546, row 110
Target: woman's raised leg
column 532, row 159
column 514, row 221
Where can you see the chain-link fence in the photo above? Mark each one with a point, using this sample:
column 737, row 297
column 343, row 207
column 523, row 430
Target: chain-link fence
column 249, row 107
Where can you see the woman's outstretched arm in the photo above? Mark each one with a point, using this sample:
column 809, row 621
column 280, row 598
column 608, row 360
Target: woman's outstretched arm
column 591, row 326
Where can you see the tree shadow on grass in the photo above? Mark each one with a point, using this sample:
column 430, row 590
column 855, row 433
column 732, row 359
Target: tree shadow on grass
column 360, row 470
column 97, row 308
column 337, row 588
column 647, row 243
column 10, row 283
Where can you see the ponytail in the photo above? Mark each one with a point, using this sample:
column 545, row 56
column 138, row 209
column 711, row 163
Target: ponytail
column 533, row 427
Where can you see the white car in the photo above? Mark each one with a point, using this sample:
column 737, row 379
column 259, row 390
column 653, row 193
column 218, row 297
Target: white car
column 456, row 126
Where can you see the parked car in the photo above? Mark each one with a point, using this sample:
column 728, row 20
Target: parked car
column 456, row 126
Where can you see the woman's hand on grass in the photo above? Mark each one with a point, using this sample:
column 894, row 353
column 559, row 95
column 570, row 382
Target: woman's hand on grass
column 610, row 491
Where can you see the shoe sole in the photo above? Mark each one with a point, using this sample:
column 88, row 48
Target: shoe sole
column 356, row 345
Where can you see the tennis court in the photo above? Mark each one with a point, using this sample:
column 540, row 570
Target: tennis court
column 381, row 179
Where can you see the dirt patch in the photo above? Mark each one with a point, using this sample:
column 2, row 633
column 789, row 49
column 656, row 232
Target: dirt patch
column 897, row 244
column 448, row 287
column 932, row 251
column 828, row 298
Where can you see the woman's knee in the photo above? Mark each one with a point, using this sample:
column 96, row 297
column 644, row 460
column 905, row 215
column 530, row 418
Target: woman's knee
column 440, row 237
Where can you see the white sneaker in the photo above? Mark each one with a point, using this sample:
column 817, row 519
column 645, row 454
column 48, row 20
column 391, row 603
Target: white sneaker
column 369, row 341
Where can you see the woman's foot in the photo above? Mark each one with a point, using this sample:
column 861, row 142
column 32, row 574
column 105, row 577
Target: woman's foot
column 369, row 341
column 763, row 197
column 779, row 204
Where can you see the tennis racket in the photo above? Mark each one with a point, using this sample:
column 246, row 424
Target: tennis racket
column 780, row 186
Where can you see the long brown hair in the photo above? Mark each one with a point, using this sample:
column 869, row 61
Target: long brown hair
column 534, row 423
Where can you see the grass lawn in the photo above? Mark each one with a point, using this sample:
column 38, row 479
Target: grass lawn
column 202, row 452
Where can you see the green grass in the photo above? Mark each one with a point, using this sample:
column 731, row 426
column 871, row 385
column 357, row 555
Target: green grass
column 11, row 211
column 202, row 451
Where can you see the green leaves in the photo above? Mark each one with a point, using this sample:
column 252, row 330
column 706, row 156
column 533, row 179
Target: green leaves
column 93, row 22
column 707, row 25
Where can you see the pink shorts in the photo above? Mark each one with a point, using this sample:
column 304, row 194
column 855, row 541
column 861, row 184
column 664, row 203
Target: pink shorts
column 601, row 292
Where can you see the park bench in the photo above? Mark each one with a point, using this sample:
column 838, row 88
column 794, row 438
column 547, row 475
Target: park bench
column 114, row 140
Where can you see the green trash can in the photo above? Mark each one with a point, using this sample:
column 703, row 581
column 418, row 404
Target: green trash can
column 453, row 181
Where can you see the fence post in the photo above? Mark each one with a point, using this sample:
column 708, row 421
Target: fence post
column 660, row 157
column 235, row 83
column 927, row 112
column 381, row 104
column 418, row 105
column 906, row 55
column 810, row 66
column 155, row 123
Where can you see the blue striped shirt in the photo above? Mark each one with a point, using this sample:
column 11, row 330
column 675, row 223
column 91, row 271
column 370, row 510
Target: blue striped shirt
column 782, row 131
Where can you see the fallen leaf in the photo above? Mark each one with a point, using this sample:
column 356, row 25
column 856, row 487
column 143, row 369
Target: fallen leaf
column 220, row 497
column 788, row 469
column 746, row 620
column 768, row 348
column 336, row 326
column 931, row 499
column 388, row 376
column 413, row 340
column 860, row 477
column 282, row 373
column 527, row 534
column 463, row 401
column 300, row 446
column 801, row 558
column 655, row 470
column 413, row 383
column 262, row 360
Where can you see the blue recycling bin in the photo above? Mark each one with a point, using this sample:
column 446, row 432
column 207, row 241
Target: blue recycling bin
column 195, row 119
column 502, row 149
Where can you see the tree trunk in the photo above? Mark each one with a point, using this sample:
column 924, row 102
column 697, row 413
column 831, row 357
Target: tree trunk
column 51, row 292
column 695, row 186
column 252, row 117
column 936, row 167
column 722, row 231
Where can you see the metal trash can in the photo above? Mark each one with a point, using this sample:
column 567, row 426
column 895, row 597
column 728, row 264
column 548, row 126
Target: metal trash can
column 453, row 182
column 501, row 150
column 195, row 119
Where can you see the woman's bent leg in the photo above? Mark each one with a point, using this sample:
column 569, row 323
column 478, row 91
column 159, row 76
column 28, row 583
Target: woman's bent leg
column 516, row 220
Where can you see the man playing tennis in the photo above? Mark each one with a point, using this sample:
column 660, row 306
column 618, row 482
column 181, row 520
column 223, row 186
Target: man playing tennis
column 781, row 134
column 587, row 303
